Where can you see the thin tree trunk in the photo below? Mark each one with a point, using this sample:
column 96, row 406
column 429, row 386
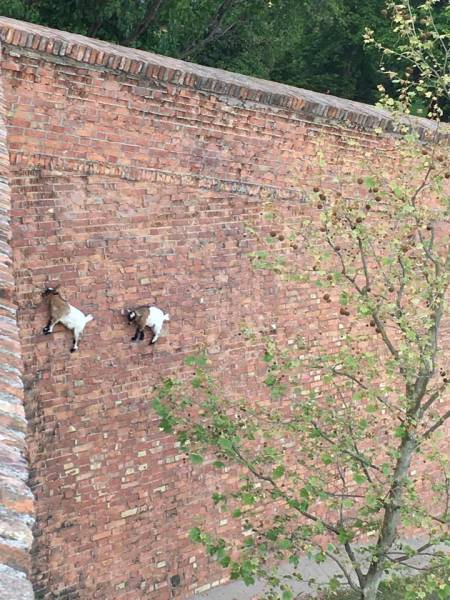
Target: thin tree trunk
column 371, row 588
column 391, row 519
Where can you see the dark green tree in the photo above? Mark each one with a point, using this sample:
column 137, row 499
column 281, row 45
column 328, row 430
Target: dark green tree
column 315, row 44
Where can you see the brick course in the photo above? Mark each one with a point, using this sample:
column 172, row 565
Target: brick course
column 133, row 178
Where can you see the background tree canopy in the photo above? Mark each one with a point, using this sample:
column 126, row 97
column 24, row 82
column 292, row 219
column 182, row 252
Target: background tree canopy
column 314, row 44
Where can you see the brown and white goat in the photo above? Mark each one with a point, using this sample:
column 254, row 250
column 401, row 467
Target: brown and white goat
column 63, row 312
column 146, row 316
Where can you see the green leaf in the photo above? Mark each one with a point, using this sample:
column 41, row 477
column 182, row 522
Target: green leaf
column 344, row 299
column 304, row 493
column 197, row 381
column 320, row 557
column 370, row 182
column 272, row 534
column 400, row 431
column 364, row 310
column 196, row 459
column 334, row 584
column 216, row 497
column 196, row 360
column 277, row 391
column 248, row 498
column 294, row 560
column 225, row 561
column 344, row 536
column 359, row 478
column 268, row 357
column 225, row 444
column 278, row 472
column 270, row 380
column 195, row 535
column 327, row 459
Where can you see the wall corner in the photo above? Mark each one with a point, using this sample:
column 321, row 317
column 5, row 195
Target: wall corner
column 16, row 498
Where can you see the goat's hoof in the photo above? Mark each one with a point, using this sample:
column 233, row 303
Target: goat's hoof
column 133, row 339
column 73, row 349
column 46, row 331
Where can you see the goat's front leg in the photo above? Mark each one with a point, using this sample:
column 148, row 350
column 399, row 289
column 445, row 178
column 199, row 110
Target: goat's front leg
column 139, row 335
column 49, row 327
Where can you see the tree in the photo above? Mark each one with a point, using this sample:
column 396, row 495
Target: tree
column 315, row 44
column 340, row 469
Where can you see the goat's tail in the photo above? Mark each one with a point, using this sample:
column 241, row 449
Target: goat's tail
column 166, row 317
column 88, row 318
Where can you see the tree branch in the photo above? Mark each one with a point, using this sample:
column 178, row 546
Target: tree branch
column 150, row 15
column 432, row 399
column 214, row 29
column 383, row 401
column 363, row 461
column 281, row 493
column 352, row 557
column 436, row 425
column 404, row 557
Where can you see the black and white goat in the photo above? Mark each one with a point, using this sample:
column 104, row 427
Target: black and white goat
column 146, row 316
column 63, row 312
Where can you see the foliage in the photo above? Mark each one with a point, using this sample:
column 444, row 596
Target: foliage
column 315, row 44
column 419, row 587
column 422, row 52
column 329, row 460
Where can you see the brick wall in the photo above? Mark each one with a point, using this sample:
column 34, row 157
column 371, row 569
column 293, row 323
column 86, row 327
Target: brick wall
column 133, row 177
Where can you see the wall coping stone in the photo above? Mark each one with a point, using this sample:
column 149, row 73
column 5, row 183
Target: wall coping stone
column 247, row 90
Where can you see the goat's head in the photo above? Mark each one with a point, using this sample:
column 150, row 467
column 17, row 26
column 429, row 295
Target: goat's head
column 130, row 314
column 51, row 291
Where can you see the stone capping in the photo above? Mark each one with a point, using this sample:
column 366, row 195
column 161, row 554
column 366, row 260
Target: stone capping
column 16, row 499
column 146, row 65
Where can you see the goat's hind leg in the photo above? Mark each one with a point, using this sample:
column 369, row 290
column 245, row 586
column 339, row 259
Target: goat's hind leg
column 76, row 336
column 155, row 334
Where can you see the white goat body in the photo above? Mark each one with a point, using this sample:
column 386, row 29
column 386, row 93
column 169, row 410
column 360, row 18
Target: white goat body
column 147, row 316
column 66, row 314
